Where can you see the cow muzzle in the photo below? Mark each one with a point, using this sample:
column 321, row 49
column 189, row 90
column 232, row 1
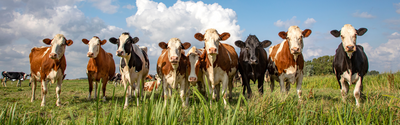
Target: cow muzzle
column 350, row 48
column 253, row 62
column 174, row 60
column 53, row 55
column 120, row 52
column 212, row 50
column 192, row 79
column 295, row 50
column 90, row 54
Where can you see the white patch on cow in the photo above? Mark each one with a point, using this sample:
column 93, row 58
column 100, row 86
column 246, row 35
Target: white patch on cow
column 45, row 52
column 279, row 50
column 143, row 48
column 291, row 70
column 347, row 77
column 58, row 45
column 173, row 82
column 295, row 37
column 348, row 34
column 174, row 49
column 122, row 40
column 54, row 75
column 94, row 46
column 211, row 37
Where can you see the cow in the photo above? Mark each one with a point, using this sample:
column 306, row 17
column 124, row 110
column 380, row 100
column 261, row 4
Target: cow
column 101, row 65
column 253, row 62
column 116, row 79
column 350, row 63
column 49, row 63
column 134, row 64
column 220, row 62
column 286, row 60
column 196, row 75
column 171, row 68
column 149, row 77
column 19, row 76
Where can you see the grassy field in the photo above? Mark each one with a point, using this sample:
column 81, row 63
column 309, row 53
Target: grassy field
column 322, row 105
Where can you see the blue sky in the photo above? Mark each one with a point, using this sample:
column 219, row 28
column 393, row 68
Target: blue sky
column 23, row 24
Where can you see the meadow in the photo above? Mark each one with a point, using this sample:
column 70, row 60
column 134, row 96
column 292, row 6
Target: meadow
column 322, row 104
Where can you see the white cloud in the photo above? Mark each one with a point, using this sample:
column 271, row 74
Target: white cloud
column 105, row 6
column 385, row 57
column 129, row 6
column 397, row 5
column 309, row 22
column 287, row 23
column 363, row 15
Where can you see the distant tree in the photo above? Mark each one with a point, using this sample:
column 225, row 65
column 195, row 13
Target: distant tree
column 373, row 72
column 320, row 66
column 309, row 70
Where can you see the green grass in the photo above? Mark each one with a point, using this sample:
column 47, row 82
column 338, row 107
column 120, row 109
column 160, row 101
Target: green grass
column 322, row 105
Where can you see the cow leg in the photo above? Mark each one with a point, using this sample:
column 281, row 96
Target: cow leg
column 224, row 88
column 33, row 80
column 104, row 87
column 44, row 92
column 287, row 87
column 58, row 90
column 126, row 87
column 139, row 90
column 260, row 85
column 90, row 87
column 4, row 81
column 183, row 93
column 246, row 86
column 230, row 87
column 282, row 83
column 357, row 91
column 272, row 84
column 344, row 90
column 298, row 87
column 95, row 89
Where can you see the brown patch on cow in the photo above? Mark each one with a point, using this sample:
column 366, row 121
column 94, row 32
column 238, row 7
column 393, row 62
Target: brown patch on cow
column 224, row 36
column 41, row 62
column 47, row 41
column 306, row 32
column 224, row 51
column 164, row 66
column 150, row 86
column 285, row 59
column 282, row 34
column 199, row 36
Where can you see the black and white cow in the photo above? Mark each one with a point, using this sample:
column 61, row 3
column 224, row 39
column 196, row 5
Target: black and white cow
column 350, row 63
column 253, row 62
column 116, row 79
column 13, row 76
column 134, row 64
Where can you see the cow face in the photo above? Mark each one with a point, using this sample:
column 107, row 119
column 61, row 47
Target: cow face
column 174, row 48
column 295, row 36
column 94, row 46
column 57, row 45
column 194, row 55
column 212, row 39
column 124, row 42
column 251, row 48
column 349, row 37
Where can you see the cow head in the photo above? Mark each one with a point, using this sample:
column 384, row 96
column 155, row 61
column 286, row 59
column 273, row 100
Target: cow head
column 174, row 48
column 194, row 55
column 124, row 42
column 57, row 45
column 251, row 48
column 349, row 37
column 94, row 46
column 212, row 39
column 295, row 36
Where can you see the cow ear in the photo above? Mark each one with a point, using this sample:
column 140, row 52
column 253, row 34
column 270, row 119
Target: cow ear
column 335, row 33
column 224, row 36
column 199, row 36
column 69, row 42
column 306, row 32
column 266, row 43
column 186, row 45
column 361, row 31
column 103, row 42
column 113, row 40
column 135, row 40
column 163, row 45
column 240, row 44
column 85, row 41
column 47, row 41
column 282, row 34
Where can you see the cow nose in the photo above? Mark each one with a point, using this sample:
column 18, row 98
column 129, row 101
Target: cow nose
column 212, row 50
column 174, row 59
column 53, row 55
column 119, row 52
column 90, row 54
column 253, row 61
column 295, row 49
column 192, row 79
column 350, row 47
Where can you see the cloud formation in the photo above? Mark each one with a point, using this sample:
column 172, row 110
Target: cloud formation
column 105, row 6
column 287, row 23
column 363, row 15
column 309, row 22
column 129, row 6
column 397, row 6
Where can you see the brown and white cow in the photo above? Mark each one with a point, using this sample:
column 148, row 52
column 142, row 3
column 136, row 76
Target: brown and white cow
column 171, row 68
column 49, row 63
column 286, row 59
column 196, row 75
column 220, row 62
column 100, row 66
column 134, row 64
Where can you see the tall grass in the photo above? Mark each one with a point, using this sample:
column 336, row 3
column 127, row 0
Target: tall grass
column 325, row 107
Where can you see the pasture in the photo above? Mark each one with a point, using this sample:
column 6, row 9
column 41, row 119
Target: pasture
column 322, row 105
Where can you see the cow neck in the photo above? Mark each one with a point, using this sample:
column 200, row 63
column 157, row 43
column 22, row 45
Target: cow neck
column 96, row 61
column 345, row 59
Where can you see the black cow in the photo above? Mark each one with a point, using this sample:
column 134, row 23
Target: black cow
column 116, row 79
column 13, row 76
column 253, row 62
column 350, row 63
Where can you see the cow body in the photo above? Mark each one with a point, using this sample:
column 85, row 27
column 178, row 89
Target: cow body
column 19, row 76
column 286, row 60
column 134, row 65
column 172, row 69
column 350, row 63
column 253, row 62
column 101, row 65
column 49, row 64
column 220, row 62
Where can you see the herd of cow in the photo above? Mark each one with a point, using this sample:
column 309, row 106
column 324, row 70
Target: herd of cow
column 218, row 63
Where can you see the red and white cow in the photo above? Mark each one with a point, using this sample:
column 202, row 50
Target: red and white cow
column 286, row 59
column 220, row 62
column 49, row 63
column 196, row 75
column 100, row 66
column 171, row 68
column 134, row 65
